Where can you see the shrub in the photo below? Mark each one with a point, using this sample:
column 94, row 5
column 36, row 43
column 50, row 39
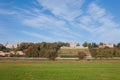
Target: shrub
column 81, row 55
column 12, row 55
column 51, row 54
column 68, row 56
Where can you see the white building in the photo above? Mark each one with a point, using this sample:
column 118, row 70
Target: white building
column 110, row 45
column 74, row 45
column 11, row 46
column 2, row 53
column 11, row 52
column 20, row 53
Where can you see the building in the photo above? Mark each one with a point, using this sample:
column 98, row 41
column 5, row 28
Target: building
column 73, row 45
column 20, row 53
column 11, row 46
column 2, row 53
column 7, row 54
column 110, row 45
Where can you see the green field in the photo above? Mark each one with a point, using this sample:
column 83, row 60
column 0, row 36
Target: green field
column 73, row 51
column 59, row 70
column 65, row 53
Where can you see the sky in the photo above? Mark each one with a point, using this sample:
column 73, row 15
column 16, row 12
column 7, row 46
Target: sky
column 59, row 20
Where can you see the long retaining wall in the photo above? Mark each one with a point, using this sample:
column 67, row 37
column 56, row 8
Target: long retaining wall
column 26, row 58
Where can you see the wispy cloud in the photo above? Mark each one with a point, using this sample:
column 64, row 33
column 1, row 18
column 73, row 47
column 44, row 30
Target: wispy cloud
column 98, row 21
column 6, row 12
column 45, row 22
column 67, row 20
column 56, row 27
column 42, row 37
column 66, row 9
column 95, row 20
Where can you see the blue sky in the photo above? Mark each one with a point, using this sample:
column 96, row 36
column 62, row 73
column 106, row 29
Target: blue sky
column 59, row 20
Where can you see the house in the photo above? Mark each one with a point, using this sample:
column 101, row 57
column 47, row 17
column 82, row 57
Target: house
column 7, row 54
column 20, row 53
column 11, row 46
column 2, row 53
column 74, row 45
column 110, row 45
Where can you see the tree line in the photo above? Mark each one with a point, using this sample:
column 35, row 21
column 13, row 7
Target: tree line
column 43, row 50
column 105, row 52
column 50, row 50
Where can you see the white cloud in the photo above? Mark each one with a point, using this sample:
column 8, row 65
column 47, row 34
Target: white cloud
column 55, row 26
column 6, row 12
column 95, row 11
column 45, row 22
column 42, row 37
column 67, row 9
column 111, row 35
column 68, row 20
column 97, row 21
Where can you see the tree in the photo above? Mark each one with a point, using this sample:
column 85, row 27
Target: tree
column 42, row 49
column 94, row 45
column 117, row 52
column 2, row 47
column 85, row 44
column 24, row 46
column 81, row 55
column 90, row 45
column 32, row 51
column 101, row 43
column 93, row 52
column 51, row 54
column 78, row 44
column 118, row 45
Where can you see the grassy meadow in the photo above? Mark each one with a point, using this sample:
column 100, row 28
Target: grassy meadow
column 59, row 70
column 73, row 51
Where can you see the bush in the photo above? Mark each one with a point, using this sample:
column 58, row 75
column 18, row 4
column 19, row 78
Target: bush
column 117, row 52
column 68, row 56
column 81, row 55
column 105, row 53
column 12, row 55
column 93, row 52
column 51, row 54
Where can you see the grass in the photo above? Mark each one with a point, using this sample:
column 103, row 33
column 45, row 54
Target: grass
column 73, row 51
column 59, row 70
column 68, row 55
